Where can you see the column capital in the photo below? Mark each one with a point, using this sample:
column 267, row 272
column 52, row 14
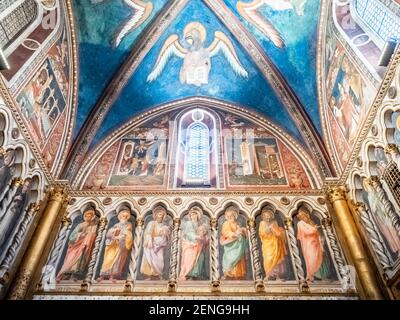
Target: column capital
column 34, row 208
column 326, row 222
column 391, row 148
column 2, row 152
column 58, row 193
column 373, row 181
column 251, row 223
column 177, row 222
column 213, row 223
column 17, row 182
column 337, row 193
column 288, row 222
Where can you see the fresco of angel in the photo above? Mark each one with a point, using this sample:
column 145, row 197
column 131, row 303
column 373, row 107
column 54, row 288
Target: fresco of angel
column 196, row 57
column 249, row 11
column 141, row 12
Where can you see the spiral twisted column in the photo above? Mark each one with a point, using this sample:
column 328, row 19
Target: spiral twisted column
column 57, row 199
column 296, row 254
column 48, row 271
column 215, row 274
column 337, row 254
column 134, row 261
column 365, row 271
column 383, row 198
column 251, row 223
column 17, row 241
column 374, row 236
column 95, row 254
column 173, row 271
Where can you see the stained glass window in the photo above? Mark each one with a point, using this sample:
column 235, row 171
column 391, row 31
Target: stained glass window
column 197, row 159
column 378, row 18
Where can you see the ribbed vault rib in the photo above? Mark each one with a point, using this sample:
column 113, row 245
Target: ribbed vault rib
column 149, row 36
column 278, row 83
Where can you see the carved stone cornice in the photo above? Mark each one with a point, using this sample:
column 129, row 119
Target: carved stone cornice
column 391, row 148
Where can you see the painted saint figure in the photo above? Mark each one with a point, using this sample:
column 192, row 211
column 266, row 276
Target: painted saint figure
column 382, row 219
column 156, row 239
column 194, row 246
column 233, row 240
column 80, row 246
column 119, row 240
column 273, row 245
column 312, row 246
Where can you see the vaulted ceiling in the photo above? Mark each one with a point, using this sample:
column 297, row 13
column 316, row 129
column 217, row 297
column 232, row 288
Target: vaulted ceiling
column 261, row 55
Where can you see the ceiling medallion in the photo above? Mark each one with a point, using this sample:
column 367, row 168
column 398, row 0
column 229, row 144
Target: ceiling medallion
column 213, row 201
column 321, row 200
column 142, row 201
column 72, row 201
column 177, row 201
column 359, row 162
column 107, row 201
column 285, row 201
column 32, row 163
column 15, row 133
column 249, row 201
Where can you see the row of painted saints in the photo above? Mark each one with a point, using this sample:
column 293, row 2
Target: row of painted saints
column 196, row 57
column 194, row 253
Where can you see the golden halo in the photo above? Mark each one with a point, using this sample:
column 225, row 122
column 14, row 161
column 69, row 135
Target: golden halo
column 198, row 26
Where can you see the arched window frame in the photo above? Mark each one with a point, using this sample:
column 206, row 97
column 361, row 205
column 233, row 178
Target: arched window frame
column 182, row 137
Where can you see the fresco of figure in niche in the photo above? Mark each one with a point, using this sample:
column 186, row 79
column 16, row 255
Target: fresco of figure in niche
column 7, row 170
column 350, row 99
column 9, row 220
column 195, row 252
column 314, row 250
column 118, row 245
column 383, row 221
column 234, row 246
column 79, row 247
column 381, row 160
column 156, row 246
column 254, row 161
column 141, row 159
column 277, row 265
column 42, row 103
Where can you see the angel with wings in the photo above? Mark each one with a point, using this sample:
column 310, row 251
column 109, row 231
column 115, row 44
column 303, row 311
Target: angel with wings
column 196, row 57
column 141, row 12
column 249, row 11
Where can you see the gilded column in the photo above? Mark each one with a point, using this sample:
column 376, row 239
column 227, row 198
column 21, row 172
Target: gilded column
column 256, row 256
column 57, row 199
column 137, row 243
column 365, row 271
column 173, row 271
column 215, row 275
